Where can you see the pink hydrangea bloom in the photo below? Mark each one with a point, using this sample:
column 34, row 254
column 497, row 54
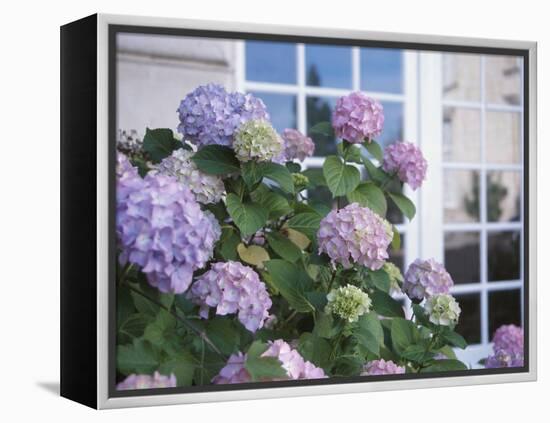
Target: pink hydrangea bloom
column 407, row 161
column 507, row 347
column 147, row 382
column 233, row 288
column 296, row 146
column 382, row 367
column 291, row 361
column 425, row 278
column 355, row 234
column 357, row 117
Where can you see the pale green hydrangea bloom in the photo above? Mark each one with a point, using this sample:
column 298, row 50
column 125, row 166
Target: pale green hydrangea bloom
column 396, row 278
column 300, row 181
column 257, row 140
column 348, row 302
column 443, row 309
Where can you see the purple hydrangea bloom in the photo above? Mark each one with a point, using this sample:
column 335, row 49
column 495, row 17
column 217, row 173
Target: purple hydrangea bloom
column 291, row 361
column 211, row 115
column 425, row 278
column 161, row 228
column 509, row 338
column 233, row 288
column 296, row 146
column 356, row 234
column 382, row 367
column 503, row 358
column 147, row 382
column 407, row 161
column 357, row 117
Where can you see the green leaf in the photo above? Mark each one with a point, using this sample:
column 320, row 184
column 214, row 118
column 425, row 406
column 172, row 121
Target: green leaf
column 367, row 194
column 253, row 254
column 249, row 217
column 139, row 357
column 306, row 223
column 157, row 331
column 134, row 325
column 448, row 351
column 223, row 334
column 368, row 332
column 279, row 174
column 385, row 305
column 402, row 334
column 216, row 160
column 341, row 178
column 350, row 152
column 315, row 349
column 291, row 283
column 284, row 247
column 380, row 279
column 160, row 143
column 404, row 204
column 445, row 366
column 263, row 368
column 182, row 366
column 275, row 204
column 293, row 167
column 324, row 325
column 251, row 173
column 375, row 173
column 420, row 315
column 454, row 339
column 396, row 240
column 322, row 128
column 228, row 243
column 316, row 177
column 374, row 149
column 416, row 353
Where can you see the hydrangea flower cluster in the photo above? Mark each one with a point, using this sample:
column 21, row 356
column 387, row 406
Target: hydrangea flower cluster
column 425, row 278
column 129, row 142
column 300, row 181
column 296, row 146
column 382, row 367
column 291, row 361
column 147, row 382
column 161, row 229
column 396, row 278
column 507, row 347
column 257, row 140
column 207, row 188
column 211, row 115
column 357, row 234
column 357, row 117
column 348, row 302
column 233, row 288
column 407, row 161
column 443, row 309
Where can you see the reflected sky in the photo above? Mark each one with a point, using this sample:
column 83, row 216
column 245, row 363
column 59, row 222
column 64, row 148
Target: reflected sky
column 328, row 66
column 382, row 70
column 268, row 61
column 281, row 108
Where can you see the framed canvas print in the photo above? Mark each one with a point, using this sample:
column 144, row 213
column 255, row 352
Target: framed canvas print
column 262, row 211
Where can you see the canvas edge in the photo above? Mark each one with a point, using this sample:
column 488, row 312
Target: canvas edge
column 103, row 400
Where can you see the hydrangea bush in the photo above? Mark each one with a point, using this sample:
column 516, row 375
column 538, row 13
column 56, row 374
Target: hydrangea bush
column 228, row 274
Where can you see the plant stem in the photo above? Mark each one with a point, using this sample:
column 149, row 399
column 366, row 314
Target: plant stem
column 289, row 318
column 331, row 281
column 182, row 319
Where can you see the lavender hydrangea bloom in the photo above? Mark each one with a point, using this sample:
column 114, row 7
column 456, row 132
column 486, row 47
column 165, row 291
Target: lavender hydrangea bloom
column 382, row 367
column 291, row 361
column 356, row 234
column 147, row 382
column 508, row 348
column 357, row 117
column 257, row 140
column 211, row 115
column 296, row 146
column 425, row 278
column 161, row 229
column 207, row 188
column 407, row 161
column 233, row 288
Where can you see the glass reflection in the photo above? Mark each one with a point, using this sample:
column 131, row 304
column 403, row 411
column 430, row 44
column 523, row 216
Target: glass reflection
column 503, row 137
column 504, row 309
column 281, row 108
column 381, row 70
column 319, row 109
column 461, row 77
column 469, row 325
column 503, row 255
column 503, row 196
column 461, row 134
column 462, row 256
column 328, row 66
column 393, row 123
column 461, row 196
column 503, row 80
column 268, row 61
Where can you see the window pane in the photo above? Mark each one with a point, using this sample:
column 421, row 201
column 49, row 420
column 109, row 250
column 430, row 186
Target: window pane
column 461, row 77
column 461, row 196
column 461, row 134
column 268, row 61
column 504, row 309
column 462, row 256
column 328, row 66
column 503, row 196
column 281, row 109
column 469, row 325
column 503, row 80
column 319, row 109
column 393, row 124
column 503, row 137
column 382, row 70
column 398, row 257
column 503, row 255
